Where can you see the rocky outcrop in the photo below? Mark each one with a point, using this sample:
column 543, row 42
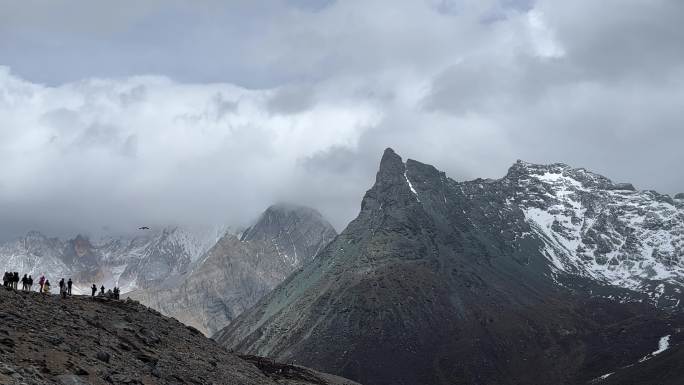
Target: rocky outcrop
column 237, row 272
column 48, row 340
column 445, row 282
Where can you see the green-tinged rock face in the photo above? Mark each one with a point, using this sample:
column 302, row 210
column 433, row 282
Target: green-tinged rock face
column 441, row 282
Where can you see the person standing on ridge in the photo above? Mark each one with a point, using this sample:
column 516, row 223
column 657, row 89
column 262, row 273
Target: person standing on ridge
column 69, row 283
column 16, row 280
column 30, row 283
column 24, row 283
column 61, row 285
column 102, row 292
column 41, row 282
column 94, row 289
column 46, row 287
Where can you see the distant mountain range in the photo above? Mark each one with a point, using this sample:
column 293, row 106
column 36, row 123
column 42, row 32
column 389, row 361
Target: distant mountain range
column 549, row 275
column 203, row 278
column 236, row 272
column 127, row 262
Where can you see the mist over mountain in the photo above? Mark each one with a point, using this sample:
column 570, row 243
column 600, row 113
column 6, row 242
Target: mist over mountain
column 238, row 270
column 146, row 145
column 127, row 127
column 550, row 273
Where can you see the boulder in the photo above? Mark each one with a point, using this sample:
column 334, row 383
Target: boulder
column 103, row 356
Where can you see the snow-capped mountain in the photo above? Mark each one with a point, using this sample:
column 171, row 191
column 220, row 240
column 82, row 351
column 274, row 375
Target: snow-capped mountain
column 602, row 230
column 127, row 262
column 548, row 275
column 34, row 254
column 235, row 273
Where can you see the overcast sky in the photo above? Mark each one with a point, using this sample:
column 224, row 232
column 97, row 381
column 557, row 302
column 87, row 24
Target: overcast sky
column 119, row 114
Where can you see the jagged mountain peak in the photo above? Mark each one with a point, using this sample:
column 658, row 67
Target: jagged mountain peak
column 287, row 207
column 397, row 183
column 35, row 240
column 594, row 227
column 441, row 282
column 236, row 272
column 283, row 218
column 554, row 171
column 394, row 172
column 391, row 165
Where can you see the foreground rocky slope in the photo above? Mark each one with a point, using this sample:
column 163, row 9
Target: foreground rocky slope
column 237, row 272
column 78, row 341
column 441, row 282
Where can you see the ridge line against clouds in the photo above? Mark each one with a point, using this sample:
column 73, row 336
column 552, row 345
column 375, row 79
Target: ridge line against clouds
column 250, row 104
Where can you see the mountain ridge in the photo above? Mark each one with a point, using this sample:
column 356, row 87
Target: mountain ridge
column 238, row 271
column 80, row 340
column 439, row 282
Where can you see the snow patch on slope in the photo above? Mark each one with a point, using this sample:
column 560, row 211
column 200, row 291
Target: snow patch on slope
column 620, row 237
column 413, row 190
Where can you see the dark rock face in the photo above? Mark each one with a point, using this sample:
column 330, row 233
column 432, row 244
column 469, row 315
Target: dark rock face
column 441, row 282
column 237, row 272
column 48, row 340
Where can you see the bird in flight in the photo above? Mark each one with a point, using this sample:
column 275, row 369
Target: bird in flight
column 143, row 228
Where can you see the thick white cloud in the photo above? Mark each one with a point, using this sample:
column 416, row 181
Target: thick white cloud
column 253, row 102
column 147, row 149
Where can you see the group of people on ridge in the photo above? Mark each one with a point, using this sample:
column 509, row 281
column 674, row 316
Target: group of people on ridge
column 11, row 280
column 113, row 294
